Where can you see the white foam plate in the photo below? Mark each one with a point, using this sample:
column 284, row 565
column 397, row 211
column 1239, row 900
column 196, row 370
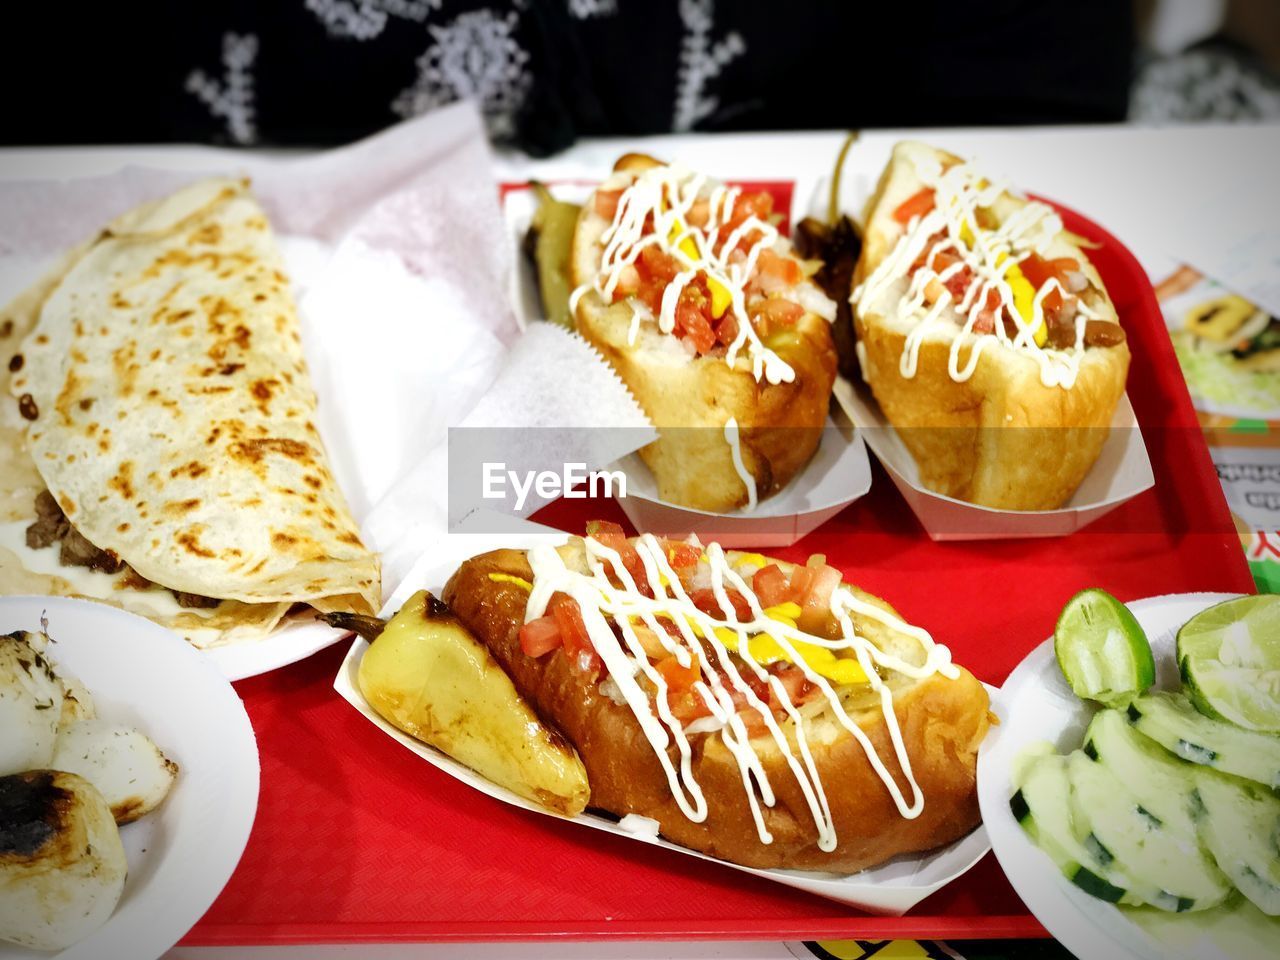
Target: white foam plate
column 891, row 889
column 181, row 855
column 1036, row 705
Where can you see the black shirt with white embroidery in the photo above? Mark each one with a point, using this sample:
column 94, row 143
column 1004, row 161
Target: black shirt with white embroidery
column 546, row 72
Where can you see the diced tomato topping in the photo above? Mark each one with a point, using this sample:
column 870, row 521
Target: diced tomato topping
column 681, row 554
column 774, row 272
column 744, row 246
column 816, row 603
column 540, row 636
column 606, row 202
column 1040, row 271
column 727, row 328
column 1053, row 303
column 677, row 677
column 573, row 631
column 629, row 283
column 801, row 581
column 794, row 683
column 650, row 642
column 705, row 600
column 986, row 322
column 671, row 630
column 825, row 581
column 958, row 283
column 927, row 254
column 653, row 271
column 749, row 205
column 693, row 318
column 917, row 204
column 687, row 705
column 612, row 536
column 607, row 534
column 771, row 586
column 1036, row 269
column 657, row 267
column 699, row 214
column 774, row 314
column 942, row 260
column 758, row 686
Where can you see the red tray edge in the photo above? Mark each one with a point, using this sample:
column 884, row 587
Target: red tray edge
column 863, row 928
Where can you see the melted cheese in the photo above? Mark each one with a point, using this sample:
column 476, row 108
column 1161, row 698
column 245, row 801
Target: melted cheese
column 666, row 194
column 765, row 635
column 154, row 601
column 992, row 256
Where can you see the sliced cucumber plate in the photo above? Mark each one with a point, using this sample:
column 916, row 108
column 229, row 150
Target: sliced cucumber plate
column 1042, row 805
column 1161, row 783
column 1169, row 871
column 1171, row 721
column 1241, row 825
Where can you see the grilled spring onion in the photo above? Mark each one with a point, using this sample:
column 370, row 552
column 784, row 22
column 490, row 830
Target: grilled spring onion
column 837, row 243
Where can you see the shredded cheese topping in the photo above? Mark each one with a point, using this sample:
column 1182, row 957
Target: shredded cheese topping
column 667, row 193
column 993, row 257
column 721, row 679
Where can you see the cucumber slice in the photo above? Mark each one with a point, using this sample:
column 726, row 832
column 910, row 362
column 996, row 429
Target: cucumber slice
column 1241, row 825
column 1042, row 806
column 1171, row 721
column 1178, row 875
column 1102, row 650
column 1162, row 784
column 1229, row 657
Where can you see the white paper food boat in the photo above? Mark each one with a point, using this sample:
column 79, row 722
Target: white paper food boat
column 890, row 889
column 1122, row 471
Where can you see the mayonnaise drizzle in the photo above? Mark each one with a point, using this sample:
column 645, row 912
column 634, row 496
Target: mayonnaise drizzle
column 721, row 676
column 959, row 192
column 667, row 193
column 734, row 440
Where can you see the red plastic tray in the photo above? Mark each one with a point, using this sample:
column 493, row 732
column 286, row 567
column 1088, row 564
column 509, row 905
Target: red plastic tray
column 358, row 840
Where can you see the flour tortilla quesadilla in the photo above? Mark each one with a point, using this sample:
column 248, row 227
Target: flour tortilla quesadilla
column 161, row 454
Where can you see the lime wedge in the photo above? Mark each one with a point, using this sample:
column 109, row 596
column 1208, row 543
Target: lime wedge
column 1101, row 649
column 1229, row 656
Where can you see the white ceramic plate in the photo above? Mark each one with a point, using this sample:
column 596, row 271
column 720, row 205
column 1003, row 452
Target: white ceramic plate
column 1036, row 705
column 892, row 888
column 181, row 855
column 296, row 640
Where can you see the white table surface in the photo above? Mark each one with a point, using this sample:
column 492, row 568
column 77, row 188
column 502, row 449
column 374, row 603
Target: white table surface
column 1142, row 184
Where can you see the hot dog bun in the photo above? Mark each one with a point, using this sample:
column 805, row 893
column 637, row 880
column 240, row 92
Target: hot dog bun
column 942, row 723
column 689, row 398
column 959, row 431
